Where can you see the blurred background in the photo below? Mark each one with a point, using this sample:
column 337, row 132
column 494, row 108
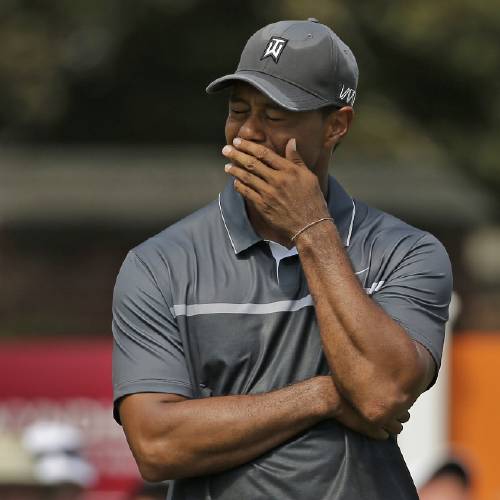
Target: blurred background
column 107, row 137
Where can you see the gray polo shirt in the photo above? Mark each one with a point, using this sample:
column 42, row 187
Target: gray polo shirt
column 207, row 308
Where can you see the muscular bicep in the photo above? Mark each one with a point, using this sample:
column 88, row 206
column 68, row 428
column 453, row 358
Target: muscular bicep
column 145, row 417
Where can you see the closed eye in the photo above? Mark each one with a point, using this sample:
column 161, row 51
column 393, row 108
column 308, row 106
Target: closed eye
column 276, row 118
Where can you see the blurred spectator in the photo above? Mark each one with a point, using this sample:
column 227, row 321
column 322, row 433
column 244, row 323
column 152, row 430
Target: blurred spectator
column 451, row 481
column 58, row 465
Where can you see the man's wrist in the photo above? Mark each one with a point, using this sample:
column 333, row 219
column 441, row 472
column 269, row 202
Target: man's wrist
column 310, row 225
column 309, row 239
column 328, row 397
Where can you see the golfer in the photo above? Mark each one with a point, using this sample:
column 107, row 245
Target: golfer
column 270, row 345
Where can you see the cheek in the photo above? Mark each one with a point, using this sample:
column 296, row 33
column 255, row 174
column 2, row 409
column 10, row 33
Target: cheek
column 309, row 156
column 310, row 151
column 311, row 146
column 278, row 139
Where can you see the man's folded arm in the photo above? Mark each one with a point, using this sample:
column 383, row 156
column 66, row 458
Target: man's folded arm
column 173, row 437
column 383, row 350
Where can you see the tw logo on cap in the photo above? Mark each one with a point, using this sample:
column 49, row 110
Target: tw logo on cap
column 348, row 95
column 274, row 48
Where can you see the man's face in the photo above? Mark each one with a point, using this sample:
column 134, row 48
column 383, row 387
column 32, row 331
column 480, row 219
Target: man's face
column 254, row 117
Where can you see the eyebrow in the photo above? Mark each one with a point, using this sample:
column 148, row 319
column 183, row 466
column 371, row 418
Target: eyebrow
column 237, row 99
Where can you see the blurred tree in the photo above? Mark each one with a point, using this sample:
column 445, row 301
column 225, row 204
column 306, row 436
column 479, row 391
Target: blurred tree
column 123, row 71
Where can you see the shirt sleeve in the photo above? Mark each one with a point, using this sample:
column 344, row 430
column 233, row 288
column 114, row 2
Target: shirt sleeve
column 147, row 350
column 417, row 294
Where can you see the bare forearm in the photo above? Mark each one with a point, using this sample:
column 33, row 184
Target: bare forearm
column 372, row 360
column 369, row 354
column 197, row 437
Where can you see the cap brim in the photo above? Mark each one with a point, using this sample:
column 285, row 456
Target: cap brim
column 285, row 94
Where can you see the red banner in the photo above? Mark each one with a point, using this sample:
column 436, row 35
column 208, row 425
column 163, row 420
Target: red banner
column 69, row 382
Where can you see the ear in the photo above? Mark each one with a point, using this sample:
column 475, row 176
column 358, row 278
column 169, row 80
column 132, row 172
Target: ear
column 337, row 124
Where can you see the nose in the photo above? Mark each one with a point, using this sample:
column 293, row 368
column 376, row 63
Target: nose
column 252, row 130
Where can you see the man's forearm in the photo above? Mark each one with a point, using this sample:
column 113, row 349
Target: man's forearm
column 372, row 359
column 196, row 437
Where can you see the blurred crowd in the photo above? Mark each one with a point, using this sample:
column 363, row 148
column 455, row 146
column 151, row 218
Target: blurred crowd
column 47, row 462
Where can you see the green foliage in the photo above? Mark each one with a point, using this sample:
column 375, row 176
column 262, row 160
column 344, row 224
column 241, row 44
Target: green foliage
column 124, row 71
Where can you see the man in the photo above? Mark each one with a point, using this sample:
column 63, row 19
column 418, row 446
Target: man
column 269, row 345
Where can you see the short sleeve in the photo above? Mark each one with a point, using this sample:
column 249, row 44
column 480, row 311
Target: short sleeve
column 417, row 294
column 147, row 350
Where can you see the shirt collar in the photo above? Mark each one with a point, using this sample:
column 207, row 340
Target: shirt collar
column 242, row 235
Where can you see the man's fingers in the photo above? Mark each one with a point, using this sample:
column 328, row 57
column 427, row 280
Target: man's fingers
column 248, row 162
column 247, row 192
column 292, row 154
column 263, row 154
column 247, row 178
column 379, row 434
column 405, row 417
column 394, row 427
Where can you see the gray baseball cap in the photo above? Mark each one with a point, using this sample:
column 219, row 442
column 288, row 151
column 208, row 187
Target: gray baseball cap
column 301, row 65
